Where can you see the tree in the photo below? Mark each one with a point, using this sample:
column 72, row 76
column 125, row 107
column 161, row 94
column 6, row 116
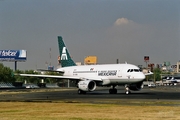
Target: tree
column 6, row 74
column 17, row 76
column 157, row 74
column 23, row 78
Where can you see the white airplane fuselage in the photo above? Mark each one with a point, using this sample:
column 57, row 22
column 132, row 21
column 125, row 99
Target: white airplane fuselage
column 109, row 74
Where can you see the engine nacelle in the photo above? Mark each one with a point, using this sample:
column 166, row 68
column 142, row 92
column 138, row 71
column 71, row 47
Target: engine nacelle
column 87, row 85
column 136, row 86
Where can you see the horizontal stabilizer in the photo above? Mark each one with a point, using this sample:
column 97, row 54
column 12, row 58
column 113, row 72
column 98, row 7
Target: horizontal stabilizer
column 50, row 70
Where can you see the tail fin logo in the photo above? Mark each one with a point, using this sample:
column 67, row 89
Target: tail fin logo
column 64, row 55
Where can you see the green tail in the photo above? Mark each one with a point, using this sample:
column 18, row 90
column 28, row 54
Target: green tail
column 65, row 58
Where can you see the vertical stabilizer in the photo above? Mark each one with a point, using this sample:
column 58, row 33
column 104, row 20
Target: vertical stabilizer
column 65, row 58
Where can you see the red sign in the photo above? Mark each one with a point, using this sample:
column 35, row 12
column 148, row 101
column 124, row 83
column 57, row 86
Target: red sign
column 146, row 58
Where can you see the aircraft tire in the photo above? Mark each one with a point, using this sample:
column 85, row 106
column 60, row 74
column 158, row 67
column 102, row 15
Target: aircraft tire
column 112, row 91
column 81, row 92
column 127, row 92
column 115, row 91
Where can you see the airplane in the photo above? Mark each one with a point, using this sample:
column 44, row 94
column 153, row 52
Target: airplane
column 88, row 77
column 171, row 79
column 177, row 78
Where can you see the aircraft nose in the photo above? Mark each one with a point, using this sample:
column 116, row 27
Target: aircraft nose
column 142, row 76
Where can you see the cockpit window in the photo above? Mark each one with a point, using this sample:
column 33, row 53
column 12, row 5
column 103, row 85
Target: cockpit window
column 133, row 70
column 136, row 70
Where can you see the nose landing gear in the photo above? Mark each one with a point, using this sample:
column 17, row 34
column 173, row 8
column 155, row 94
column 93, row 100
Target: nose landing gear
column 127, row 91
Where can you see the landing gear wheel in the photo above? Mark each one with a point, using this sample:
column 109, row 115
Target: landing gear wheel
column 115, row 91
column 112, row 91
column 81, row 92
column 127, row 92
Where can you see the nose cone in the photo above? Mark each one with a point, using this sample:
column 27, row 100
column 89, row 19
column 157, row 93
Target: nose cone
column 141, row 76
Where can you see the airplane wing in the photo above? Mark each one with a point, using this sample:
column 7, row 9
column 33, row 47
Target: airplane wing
column 49, row 76
column 60, row 77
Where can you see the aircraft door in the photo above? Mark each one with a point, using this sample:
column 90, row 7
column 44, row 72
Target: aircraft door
column 120, row 73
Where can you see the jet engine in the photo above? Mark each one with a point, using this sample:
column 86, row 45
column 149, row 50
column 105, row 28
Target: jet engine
column 87, row 85
column 136, row 86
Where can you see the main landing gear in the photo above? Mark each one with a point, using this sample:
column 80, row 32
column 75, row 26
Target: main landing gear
column 113, row 90
column 81, row 91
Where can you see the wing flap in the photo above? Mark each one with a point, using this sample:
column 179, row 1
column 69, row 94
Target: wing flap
column 92, row 78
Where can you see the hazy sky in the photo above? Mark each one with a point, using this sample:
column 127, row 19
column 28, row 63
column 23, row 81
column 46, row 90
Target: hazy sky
column 126, row 30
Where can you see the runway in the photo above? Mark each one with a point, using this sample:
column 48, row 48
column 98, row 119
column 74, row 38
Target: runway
column 101, row 95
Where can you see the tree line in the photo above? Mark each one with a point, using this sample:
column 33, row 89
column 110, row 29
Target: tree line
column 7, row 75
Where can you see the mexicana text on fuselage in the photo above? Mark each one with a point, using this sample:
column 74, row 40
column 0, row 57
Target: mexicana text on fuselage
column 107, row 73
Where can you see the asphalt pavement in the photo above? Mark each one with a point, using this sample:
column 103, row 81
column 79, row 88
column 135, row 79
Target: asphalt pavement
column 100, row 95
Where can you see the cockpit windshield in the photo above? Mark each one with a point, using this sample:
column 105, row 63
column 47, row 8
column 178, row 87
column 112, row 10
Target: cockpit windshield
column 134, row 70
